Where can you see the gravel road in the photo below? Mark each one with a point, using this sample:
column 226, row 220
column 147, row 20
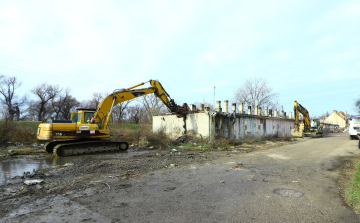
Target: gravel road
column 297, row 182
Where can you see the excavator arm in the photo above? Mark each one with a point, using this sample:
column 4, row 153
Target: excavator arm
column 103, row 111
column 299, row 108
column 161, row 93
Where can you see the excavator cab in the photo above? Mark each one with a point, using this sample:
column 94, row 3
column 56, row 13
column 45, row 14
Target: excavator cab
column 83, row 115
column 315, row 123
column 74, row 117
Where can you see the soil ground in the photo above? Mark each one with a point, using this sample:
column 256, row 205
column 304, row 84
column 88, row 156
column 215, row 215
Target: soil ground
column 186, row 184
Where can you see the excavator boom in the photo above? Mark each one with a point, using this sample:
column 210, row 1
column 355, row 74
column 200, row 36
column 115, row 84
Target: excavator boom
column 103, row 112
column 298, row 108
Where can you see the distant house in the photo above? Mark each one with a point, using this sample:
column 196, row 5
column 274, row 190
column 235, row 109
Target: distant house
column 337, row 118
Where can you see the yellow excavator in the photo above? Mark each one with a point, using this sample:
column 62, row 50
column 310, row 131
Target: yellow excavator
column 80, row 136
column 310, row 127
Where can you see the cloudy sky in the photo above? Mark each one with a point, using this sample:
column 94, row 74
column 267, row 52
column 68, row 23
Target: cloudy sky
column 308, row 51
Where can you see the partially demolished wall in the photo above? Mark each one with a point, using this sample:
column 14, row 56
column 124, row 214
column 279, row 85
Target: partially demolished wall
column 218, row 124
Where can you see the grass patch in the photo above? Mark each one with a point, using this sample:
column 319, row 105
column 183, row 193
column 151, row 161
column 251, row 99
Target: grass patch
column 205, row 146
column 189, row 144
column 126, row 126
column 29, row 124
column 20, row 150
column 25, row 131
column 23, row 124
column 354, row 191
column 132, row 133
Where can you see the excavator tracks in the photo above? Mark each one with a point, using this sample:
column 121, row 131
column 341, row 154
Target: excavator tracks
column 70, row 148
column 49, row 146
column 317, row 134
column 314, row 134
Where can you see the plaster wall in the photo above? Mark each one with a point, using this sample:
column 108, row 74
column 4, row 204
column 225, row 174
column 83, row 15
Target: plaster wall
column 194, row 124
column 217, row 125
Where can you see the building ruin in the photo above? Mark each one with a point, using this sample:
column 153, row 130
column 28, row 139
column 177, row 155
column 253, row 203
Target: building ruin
column 237, row 124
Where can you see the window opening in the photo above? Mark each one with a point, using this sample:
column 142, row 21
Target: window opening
column 79, row 117
column 74, row 118
column 88, row 116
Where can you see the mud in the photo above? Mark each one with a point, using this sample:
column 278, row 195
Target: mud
column 93, row 174
column 86, row 189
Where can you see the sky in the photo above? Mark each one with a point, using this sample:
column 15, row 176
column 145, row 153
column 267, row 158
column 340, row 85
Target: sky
column 307, row 51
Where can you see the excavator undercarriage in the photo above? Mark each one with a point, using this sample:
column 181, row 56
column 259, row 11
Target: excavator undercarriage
column 80, row 147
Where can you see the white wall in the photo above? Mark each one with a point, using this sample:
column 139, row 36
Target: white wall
column 223, row 125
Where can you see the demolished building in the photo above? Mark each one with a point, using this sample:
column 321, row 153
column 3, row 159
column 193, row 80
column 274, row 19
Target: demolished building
column 237, row 124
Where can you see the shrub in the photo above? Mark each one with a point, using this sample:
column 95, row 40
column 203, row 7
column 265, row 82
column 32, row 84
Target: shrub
column 158, row 139
column 14, row 132
column 286, row 138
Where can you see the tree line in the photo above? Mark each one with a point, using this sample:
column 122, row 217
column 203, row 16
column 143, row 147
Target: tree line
column 54, row 102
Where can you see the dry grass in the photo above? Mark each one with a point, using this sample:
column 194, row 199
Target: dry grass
column 130, row 133
column 158, row 139
column 140, row 135
column 16, row 132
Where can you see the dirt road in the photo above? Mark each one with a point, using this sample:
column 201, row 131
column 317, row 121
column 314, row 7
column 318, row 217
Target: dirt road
column 290, row 183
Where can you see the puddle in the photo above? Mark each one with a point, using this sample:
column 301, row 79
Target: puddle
column 16, row 167
column 10, row 168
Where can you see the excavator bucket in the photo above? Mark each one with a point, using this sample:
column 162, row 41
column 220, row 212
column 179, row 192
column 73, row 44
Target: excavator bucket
column 297, row 133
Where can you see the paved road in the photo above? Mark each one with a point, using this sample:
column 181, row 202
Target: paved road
column 238, row 188
column 218, row 193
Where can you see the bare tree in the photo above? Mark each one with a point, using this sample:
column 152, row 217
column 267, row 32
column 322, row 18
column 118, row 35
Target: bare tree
column 135, row 113
column 68, row 107
column 57, row 103
column 96, row 99
column 63, row 105
column 9, row 99
column 118, row 111
column 45, row 92
column 94, row 102
column 357, row 105
column 152, row 106
column 34, row 108
column 323, row 116
column 256, row 92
